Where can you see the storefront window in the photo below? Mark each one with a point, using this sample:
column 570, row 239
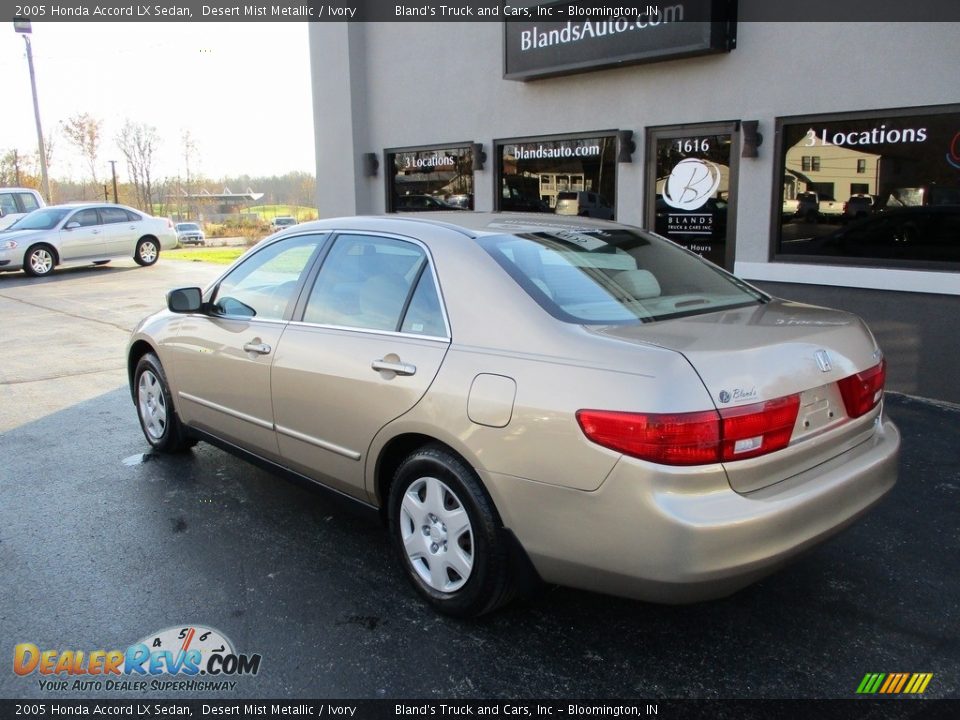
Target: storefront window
column 886, row 189
column 430, row 179
column 689, row 194
column 566, row 176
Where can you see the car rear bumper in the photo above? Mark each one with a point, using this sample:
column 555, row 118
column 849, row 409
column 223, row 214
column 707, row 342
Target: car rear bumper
column 682, row 534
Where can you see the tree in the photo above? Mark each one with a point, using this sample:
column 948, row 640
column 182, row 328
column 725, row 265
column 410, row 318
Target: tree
column 138, row 142
column 22, row 169
column 83, row 132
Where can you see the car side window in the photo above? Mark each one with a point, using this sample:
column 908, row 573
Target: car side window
column 28, row 201
column 86, row 218
column 7, row 203
column 424, row 315
column 113, row 215
column 263, row 285
column 365, row 282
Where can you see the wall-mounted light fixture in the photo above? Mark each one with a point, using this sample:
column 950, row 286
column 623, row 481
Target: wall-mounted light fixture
column 479, row 156
column 626, row 147
column 751, row 138
column 371, row 164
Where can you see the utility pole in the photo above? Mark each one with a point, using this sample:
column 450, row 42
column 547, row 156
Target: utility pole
column 16, row 168
column 113, row 169
column 24, row 27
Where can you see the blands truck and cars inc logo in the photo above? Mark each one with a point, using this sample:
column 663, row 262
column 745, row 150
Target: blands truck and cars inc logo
column 185, row 652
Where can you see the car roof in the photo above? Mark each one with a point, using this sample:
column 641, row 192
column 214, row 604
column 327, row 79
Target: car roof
column 472, row 224
column 80, row 204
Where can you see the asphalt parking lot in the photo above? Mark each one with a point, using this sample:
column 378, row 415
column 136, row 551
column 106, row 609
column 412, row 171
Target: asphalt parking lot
column 102, row 543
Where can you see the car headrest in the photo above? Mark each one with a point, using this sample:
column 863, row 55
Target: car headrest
column 639, row 283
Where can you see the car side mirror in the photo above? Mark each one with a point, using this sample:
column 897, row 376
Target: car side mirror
column 185, row 300
column 72, row 225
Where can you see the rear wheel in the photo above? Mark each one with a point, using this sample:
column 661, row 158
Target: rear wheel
column 447, row 534
column 39, row 261
column 158, row 418
column 147, row 251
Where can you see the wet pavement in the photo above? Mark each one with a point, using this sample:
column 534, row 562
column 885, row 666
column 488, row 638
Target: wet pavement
column 103, row 543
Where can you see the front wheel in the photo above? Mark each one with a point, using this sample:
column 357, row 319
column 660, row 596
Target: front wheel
column 147, row 252
column 38, row 261
column 447, row 534
column 158, row 418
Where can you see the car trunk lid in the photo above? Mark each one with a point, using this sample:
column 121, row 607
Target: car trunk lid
column 760, row 353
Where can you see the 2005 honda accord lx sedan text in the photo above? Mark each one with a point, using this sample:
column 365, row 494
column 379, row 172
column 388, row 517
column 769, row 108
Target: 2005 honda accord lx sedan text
column 524, row 396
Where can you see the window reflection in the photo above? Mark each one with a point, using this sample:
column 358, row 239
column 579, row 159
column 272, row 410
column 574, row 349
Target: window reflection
column 877, row 188
column 573, row 176
column 429, row 180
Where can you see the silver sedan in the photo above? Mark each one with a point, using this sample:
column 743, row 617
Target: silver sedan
column 83, row 233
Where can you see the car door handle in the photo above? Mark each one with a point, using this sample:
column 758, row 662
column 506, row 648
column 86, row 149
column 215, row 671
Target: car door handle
column 399, row 368
column 258, row 348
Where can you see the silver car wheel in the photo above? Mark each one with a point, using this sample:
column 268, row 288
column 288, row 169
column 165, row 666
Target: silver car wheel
column 152, row 405
column 41, row 261
column 147, row 252
column 437, row 535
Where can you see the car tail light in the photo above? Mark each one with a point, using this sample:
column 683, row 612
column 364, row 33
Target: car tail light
column 862, row 392
column 697, row 438
column 675, row 439
column 757, row 429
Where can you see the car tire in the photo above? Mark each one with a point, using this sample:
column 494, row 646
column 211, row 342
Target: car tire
column 39, row 261
column 448, row 535
column 147, row 252
column 158, row 418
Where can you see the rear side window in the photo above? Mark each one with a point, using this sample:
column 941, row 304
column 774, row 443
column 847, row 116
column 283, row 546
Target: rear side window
column 114, row 215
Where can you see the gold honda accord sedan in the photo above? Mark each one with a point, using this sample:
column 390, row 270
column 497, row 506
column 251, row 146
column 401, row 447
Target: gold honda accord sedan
column 530, row 397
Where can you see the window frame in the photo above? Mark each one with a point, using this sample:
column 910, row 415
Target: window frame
column 776, row 195
column 319, row 263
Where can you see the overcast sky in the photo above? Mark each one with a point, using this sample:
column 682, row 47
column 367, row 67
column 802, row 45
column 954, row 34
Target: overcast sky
column 241, row 89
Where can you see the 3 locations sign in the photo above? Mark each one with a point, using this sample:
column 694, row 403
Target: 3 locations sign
column 568, row 38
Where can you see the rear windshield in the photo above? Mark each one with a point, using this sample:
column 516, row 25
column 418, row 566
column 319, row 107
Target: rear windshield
column 617, row 275
column 566, row 196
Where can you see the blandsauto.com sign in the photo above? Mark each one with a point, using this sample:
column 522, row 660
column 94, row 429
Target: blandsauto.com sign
column 568, row 38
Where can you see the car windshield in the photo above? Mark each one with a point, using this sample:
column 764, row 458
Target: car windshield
column 44, row 219
column 613, row 276
column 185, row 227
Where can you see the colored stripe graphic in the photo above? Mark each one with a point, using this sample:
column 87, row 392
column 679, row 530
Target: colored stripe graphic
column 894, row 683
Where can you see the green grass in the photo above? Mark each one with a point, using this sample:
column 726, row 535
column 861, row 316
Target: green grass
column 268, row 212
column 218, row 255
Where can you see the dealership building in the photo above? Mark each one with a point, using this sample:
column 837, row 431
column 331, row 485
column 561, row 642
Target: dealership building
column 818, row 160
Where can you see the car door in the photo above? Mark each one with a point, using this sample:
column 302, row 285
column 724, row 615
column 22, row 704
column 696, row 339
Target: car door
column 122, row 229
column 222, row 357
column 82, row 236
column 369, row 342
